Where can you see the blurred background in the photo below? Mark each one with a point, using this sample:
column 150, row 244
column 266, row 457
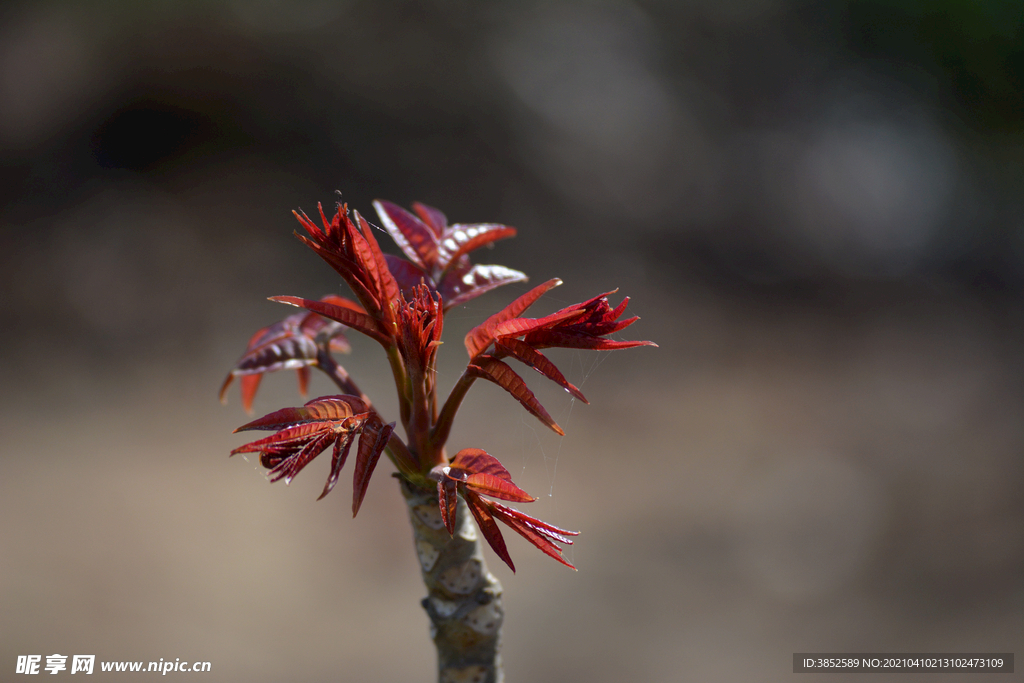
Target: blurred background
column 817, row 209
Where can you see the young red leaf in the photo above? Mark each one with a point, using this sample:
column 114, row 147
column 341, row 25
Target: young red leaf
column 549, row 530
column 480, row 337
column 463, row 284
column 492, row 369
column 323, row 409
column 407, row 274
column 414, row 237
column 551, row 338
column 322, row 330
column 357, row 257
column 587, row 330
column 581, row 326
column 350, row 271
column 488, row 527
column 438, row 253
column 375, row 265
column 459, row 240
column 288, row 439
column 371, row 445
column 540, row 534
column 311, row 227
column 495, row 487
column 479, row 461
column 343, row 314
column 250, row 384
column 290, row 344
column 481, row 472
column 294, row 462
column 281, row 346
column 420, row 322
column 517, row 327
column 577, row 326
column 303, row 374
column 303, row 433
column 360, row 252
column 336, row 244
column 447, row 499
column 291, row 449
column 510, row 346
column 432, row 217
column 338, row 458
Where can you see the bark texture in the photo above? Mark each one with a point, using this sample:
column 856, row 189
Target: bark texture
column 463, row 598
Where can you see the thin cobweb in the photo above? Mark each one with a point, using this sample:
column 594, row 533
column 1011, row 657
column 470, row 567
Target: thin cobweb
column 581, row 366
column 587, row 365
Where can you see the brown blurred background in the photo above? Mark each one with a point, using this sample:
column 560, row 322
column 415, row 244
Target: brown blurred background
column 816, row 208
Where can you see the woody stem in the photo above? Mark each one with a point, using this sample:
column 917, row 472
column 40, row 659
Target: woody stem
column 463, row 598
